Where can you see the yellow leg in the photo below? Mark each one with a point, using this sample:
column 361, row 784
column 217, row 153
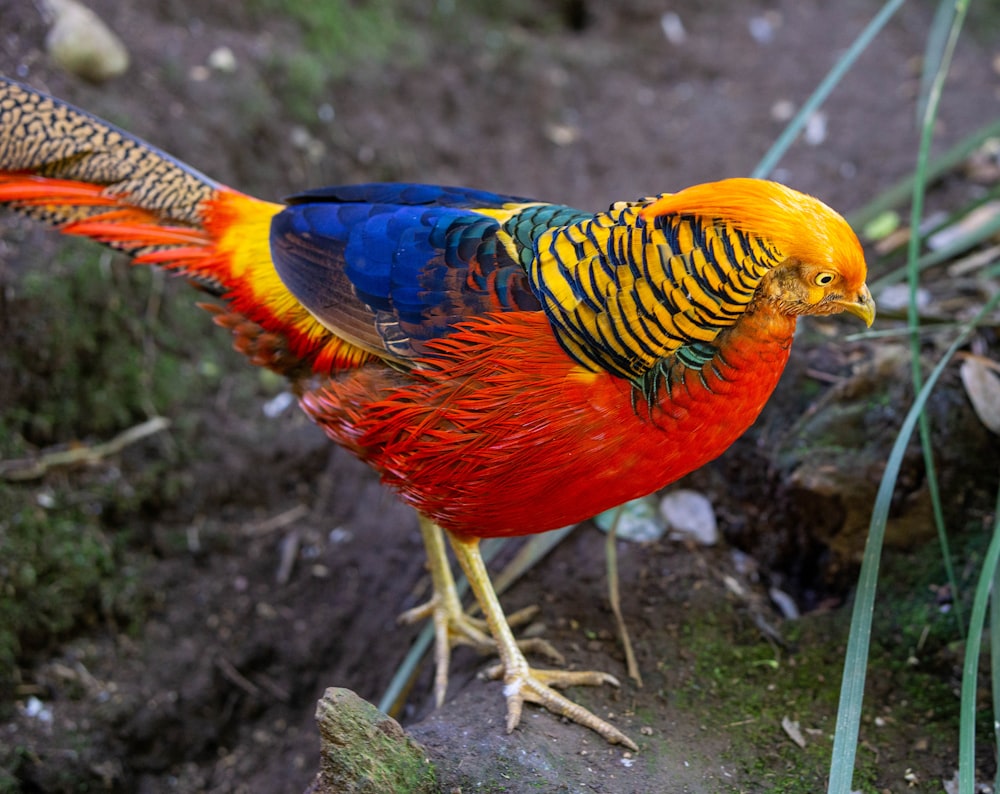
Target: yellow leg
column 521, row 682
column 451, row 625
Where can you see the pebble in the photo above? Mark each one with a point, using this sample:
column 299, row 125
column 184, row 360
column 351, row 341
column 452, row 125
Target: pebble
column 638, row 521
column 690, row 516
column 673, row 28
column 783, row 110
column 80, row 42
column 896, row 297
column 36, row 709
column 222, row 59
column 815, row 132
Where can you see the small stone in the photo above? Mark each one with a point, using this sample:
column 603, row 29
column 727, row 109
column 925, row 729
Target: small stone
column 222, row 59
column 80, row 42
column 783, row 110
column 815, row 132
column 763, row 28
column 689, row 515
column 896, row 297
column 673, row 28
column 340, row 535
column 562, row 134
column 326, row 113
column 637, row 521
column 45, row 499
column 36, row 709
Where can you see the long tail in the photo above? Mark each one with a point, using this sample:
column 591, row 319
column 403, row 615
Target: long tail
column 86, row 177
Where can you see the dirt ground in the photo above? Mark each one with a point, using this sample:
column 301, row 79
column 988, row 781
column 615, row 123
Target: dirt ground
column 214, row 688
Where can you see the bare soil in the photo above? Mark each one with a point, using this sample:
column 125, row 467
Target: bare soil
column 214, row 688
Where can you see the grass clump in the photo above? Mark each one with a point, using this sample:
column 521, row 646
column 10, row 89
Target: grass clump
column 56, row 572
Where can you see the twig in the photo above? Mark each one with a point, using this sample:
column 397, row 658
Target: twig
column 234, row 676
column 279, row 521
column 35, row 468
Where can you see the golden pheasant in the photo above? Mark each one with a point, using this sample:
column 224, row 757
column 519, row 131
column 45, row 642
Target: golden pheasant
column 507, row 366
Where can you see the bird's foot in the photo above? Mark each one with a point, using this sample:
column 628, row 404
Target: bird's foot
column 454, row 627
column 524, row 684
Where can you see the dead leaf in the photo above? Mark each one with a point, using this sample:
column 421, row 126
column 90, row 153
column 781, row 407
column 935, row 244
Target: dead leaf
column 791, row 727
column 983, row 387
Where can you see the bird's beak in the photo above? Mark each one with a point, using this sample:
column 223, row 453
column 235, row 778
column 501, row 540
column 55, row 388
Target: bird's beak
column 863, row 306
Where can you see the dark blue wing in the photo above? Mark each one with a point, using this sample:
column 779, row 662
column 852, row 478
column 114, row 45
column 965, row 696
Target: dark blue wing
column 407, row 194
column 392, row 266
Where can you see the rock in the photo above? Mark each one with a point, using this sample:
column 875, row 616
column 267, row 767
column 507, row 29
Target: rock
column 637, row 520
column 364, row 751
column 81, row 43
column 896, row 297
column 223, row 59
column 689, row 515
column 473, row 753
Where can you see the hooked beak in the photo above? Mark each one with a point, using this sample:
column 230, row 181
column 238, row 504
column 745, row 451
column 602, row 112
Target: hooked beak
column 863, row 306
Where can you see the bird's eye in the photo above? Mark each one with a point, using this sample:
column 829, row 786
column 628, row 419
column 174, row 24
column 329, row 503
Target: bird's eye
column 824, row 278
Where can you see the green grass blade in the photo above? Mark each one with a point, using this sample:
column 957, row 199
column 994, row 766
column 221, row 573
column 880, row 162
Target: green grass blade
column 858, row 642
column 995, row 649
column 934, row 51
column 940, row 50
column 840, row 68
column 970, row 669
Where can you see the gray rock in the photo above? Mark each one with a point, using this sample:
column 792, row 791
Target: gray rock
column 80, row 42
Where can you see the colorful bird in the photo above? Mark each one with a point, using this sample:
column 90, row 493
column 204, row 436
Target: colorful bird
column 507, row 366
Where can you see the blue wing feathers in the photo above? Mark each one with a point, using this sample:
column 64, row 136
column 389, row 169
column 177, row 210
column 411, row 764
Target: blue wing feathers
column 406, row 194
column 413, row 259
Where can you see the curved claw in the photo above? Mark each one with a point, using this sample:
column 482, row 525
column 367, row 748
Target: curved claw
column 535, row 686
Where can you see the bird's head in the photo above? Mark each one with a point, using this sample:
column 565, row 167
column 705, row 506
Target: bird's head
column 822, row 268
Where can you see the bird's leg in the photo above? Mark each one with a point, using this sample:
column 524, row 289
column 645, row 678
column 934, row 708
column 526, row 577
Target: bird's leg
column 521, row 682
column 452, row 626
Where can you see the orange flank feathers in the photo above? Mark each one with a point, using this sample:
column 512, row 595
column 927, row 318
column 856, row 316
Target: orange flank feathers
column 499, row 411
